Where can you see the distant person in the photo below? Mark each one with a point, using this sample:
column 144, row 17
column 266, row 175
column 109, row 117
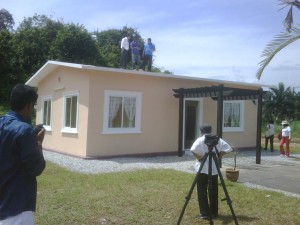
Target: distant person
column 149, row 48
column 124, row 51
column 135, row 53
column 21, row 158
column 286, row 136
column 199, row 148
column 269, row 135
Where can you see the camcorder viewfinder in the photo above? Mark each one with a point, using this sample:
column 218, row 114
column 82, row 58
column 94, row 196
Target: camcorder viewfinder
column 211, row 140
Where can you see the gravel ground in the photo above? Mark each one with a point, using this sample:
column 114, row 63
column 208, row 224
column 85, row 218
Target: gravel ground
column 185, row 163
column 94, row 166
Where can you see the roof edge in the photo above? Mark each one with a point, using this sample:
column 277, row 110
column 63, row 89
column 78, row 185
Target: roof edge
column 51, row 65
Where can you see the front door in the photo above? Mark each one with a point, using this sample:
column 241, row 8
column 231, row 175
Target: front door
column 192, row 119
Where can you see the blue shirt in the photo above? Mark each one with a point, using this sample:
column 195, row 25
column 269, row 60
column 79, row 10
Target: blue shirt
column 135, row 48
column 148, row 48
column 20, row 162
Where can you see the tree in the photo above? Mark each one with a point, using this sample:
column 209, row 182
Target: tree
column 109, row 42
column 282, row 40
column 6, row 20
column 297, row 105
column 74, row 44
column 280, row 103
column 5, row 65
column 31, row 44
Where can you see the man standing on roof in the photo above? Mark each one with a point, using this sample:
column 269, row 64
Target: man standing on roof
column 124, row 51
column 149, row 48
column 135, row 53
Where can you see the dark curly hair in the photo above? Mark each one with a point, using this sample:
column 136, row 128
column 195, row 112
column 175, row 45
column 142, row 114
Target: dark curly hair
column 22, row 95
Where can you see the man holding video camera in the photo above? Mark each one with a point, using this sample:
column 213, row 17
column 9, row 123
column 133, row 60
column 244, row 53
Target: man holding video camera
column 199, row 148
column 21, row 158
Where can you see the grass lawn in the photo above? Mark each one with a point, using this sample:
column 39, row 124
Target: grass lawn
column 149, row 197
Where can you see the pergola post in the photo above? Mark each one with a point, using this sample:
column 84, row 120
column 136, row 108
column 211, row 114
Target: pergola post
column 220, row 111
column 220, row 116
column 259, row 122
column 180, row 130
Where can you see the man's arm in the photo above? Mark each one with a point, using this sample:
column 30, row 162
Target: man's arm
column 197, row 156
column 31, row 152
column 122, row 43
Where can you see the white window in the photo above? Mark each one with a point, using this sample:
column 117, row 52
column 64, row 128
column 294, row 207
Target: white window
column 233, row 115
column 70, row 119
column 122, row 112
column 46, row 112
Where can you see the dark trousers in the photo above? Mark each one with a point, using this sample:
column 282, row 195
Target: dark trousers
column 204, row 193
column 147, row 60
column 124, row 58
column 271, row 138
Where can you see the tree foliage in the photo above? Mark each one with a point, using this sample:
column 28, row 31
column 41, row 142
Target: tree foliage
column 40, row 38
column 74, row 44
column 109, row 44
column 6, row 76
column 31, row 45
column 281, row 103
column 6, row 20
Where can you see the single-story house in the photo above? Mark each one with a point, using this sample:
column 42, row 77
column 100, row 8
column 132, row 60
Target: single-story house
column 91, row 111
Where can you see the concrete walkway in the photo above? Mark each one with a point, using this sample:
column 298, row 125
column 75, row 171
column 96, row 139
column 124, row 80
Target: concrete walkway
column 275, row 173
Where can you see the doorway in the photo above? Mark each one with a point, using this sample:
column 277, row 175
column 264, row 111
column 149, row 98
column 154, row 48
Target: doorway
column 192, row 120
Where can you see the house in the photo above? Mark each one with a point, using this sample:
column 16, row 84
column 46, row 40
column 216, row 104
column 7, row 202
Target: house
column 91, row 111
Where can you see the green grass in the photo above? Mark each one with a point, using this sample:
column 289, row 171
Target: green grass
column 148, row 197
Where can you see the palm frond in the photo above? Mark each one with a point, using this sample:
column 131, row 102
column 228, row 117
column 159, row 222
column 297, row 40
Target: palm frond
column 290, row 2
column 280, row 41
column 288, row 21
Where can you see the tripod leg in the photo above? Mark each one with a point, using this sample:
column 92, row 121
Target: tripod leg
column 225, row 190
column 187, row 198
column 210, row 187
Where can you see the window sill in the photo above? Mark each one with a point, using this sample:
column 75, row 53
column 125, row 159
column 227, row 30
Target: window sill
column 69, row 130
column 121, row 131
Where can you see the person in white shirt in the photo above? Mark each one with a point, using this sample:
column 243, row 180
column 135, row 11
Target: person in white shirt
column 269, row 135
column 199, row 148
column 286, row 136
column 124, row 51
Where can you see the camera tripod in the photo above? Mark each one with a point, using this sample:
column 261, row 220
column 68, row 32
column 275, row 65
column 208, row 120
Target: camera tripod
column 210, row 155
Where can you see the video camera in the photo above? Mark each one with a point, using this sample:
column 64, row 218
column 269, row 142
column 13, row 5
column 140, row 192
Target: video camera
column 211, row 140
column 38, row 128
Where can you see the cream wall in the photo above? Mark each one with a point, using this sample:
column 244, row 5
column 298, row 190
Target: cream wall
column 247, row 138
column 56, row 85
column 159, row 113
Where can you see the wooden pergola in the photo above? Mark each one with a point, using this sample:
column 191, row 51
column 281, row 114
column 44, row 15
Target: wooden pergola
column 220, row 93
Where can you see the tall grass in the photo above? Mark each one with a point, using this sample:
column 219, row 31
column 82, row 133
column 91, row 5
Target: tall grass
column 295, row 126
column 149, row 197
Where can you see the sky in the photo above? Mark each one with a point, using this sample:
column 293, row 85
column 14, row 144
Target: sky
column 201, row 38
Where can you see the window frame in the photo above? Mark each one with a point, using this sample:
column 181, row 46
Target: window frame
column 242, row 116
column 44, row 99
column 66, row 129
column 124, row 130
